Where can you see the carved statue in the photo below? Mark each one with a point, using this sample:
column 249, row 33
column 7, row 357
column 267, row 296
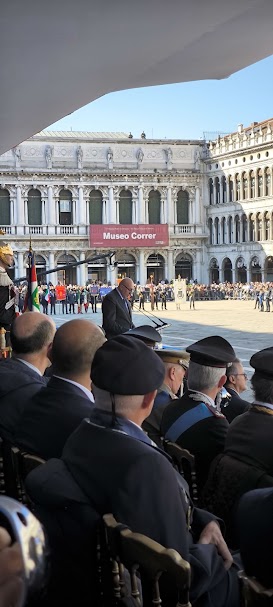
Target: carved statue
column 79, row 157
column 197, row 157
column 169, row 155
column 110, row 157
column 17, row 154
column 140, row 156
column 48, row 157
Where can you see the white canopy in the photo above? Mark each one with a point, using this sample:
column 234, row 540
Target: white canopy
column 58, row 55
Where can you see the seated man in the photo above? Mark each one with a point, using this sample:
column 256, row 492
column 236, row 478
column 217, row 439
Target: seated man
column 235, row 385
column 176, row 363
column 53, row 414
column 193, row 421
column 22, row 375
column 114, row 465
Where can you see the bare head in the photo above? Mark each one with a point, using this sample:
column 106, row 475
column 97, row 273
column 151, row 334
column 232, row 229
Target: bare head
column 236, row 377
column 74, row 347
column 31, row 337
column 126, row 287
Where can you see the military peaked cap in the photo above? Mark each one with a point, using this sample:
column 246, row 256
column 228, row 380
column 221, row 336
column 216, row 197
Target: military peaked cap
column 146, row 333
column 214, row 351
column 262, row 362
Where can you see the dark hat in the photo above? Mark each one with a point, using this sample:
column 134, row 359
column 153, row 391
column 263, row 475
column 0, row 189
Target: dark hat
column 127, row 366
column 178, row 357
column 146, row 333
column 214, row 351
column 262, row 362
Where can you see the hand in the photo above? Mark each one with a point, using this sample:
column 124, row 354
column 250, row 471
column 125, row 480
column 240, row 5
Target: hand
column 211, row 534
column 11, row 567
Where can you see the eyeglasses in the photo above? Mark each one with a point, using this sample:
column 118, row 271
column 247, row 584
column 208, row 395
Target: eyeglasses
column 130, row 290
column 243, row 375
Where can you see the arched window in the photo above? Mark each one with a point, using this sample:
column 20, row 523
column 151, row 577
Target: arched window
column 154, row 207
column 217, row 188
column 231, row 190
column 241, row 273
column 267, row 182
column 4, row 208
column 182, row 207
column 183, row 266
column 217, row 235
column 95, row 207
column 224, row 189
column 256, row 270
column 245, row 186
column 269, row 269
column 65, row 208
column 210, row 231
column 260, row 227
column 237, row 228
column 34, row 207
column 211, row 191
column 227, row 270
column 251, row 228
column 125, row 207
column 214, row 270
column 260, row 183
column 267, row 226
column 252, row 184
column 224, row 229
column 230, row 233
column 238, row 187
column 244, row 220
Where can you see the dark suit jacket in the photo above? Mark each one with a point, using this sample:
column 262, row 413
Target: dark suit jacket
column 117, row 317
column 137, row 483
column 50, row 417
column 235, row 406
column 204, row 437
column 18, row 383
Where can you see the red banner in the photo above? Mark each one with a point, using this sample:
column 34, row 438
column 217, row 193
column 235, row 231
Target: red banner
column 112, row 236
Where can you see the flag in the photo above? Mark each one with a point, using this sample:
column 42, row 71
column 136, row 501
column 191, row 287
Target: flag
column 32, row 297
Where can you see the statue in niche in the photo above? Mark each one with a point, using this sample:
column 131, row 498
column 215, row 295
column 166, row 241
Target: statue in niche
column 197, row 156
column 110, row 157
column 140, row 156
column 48, row 157
column 169, row 155
column 17, row 154
column 79, row 157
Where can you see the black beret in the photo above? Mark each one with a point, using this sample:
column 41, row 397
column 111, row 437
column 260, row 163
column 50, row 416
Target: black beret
column 214, row 351
column 146, row 333
column 127, row 366
column 262, row 362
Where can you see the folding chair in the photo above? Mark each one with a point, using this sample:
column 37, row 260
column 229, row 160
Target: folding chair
column 184, row 462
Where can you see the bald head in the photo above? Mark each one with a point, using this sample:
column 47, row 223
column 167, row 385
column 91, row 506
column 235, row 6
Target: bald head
column 126, row 287
column 74, row 347
column 31, row 332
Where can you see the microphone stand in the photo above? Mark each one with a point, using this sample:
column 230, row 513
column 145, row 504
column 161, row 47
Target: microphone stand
column 158, row 326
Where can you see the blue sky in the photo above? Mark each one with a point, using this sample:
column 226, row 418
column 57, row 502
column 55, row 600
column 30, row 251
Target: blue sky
column 183, row 111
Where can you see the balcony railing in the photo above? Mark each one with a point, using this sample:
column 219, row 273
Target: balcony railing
column 45, row 230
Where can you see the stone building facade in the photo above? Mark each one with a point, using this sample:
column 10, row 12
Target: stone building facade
column 215, row 197
column 57, row 184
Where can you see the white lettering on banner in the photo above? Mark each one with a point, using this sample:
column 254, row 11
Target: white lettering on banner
column 135, row 236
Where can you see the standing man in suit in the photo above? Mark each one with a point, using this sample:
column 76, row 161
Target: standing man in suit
column 116, row 309
column 235, row 385
column 52, row 415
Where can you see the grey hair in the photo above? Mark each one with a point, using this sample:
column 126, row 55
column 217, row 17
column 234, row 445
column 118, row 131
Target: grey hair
column 262, row 388
column 124, row 404
column 232, row 370
column 203, row 378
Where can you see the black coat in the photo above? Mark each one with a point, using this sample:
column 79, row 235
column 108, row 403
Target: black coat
column 50, row 417
column 204, row 438
column 117, row 316
column 18, row 383
column 235, row 406
column 137, row 483
column 249, row 439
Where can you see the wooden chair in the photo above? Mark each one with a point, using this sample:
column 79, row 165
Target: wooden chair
column 140, row 554
column 184, row 462
column 253, row 593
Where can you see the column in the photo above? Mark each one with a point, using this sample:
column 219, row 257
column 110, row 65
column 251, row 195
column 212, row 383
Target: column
column 170, row 207
column 21, row 270
column 221, row 190
column 75, row 219
column 191, row 211
column 263, row 227
column 83, row 270
column 12, row 214
column 241, row 229
column 81, row 213
column 248, row 185
column 141, row 205
column 51, row 217
column 264, row 182
column 44, row 213
column 78, row 275
column 228, row 189
column 162, row 209
column 170, row 266
column 241, row 187
column 193, row 220
column 256, row 228
column 105, row 206
column 197, row 205
column 256, row 184
column 112, row 206
column 248, row 276
column 142, row 274
column 112, row 273
column 134, row 210
column 52, row 277
column 19, row 211
column 214, row 192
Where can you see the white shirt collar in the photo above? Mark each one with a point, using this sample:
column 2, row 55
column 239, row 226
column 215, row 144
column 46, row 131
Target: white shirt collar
column 25, row 362
column 208, row 398
column 267, row 405
column 75, row 383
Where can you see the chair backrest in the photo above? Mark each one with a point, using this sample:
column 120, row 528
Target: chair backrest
column 139, row 553
column 253, row 594
column 184, row 462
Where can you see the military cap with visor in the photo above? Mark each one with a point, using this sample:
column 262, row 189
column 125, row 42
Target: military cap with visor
column 213, row 351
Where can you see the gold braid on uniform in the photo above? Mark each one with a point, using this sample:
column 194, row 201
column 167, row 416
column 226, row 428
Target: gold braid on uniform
column 263, row 409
